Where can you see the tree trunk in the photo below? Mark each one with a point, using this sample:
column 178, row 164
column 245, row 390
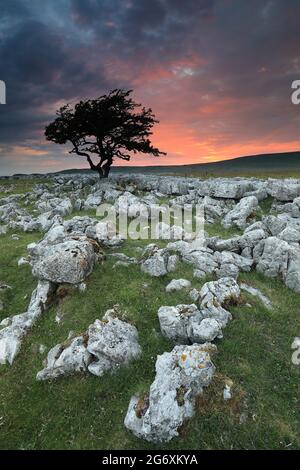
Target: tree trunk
column 106, row 167
column 103, row 171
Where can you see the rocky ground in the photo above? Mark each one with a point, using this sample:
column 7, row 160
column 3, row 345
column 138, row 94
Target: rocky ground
column 108, row 342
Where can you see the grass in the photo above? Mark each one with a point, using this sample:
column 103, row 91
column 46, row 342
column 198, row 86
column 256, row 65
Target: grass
column 20, row 279
column 266, row 205
column 87, row 412
column 83, row 213
column 20, row 186
column 217, row 230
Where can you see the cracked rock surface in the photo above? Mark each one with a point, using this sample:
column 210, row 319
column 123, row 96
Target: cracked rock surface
column 180, row 377
column 16, row 327
column 105, row 346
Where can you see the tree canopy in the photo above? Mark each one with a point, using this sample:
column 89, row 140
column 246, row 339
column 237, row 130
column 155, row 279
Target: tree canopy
column 111, row 126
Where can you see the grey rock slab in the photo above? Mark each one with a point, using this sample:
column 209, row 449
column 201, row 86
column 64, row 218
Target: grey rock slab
column 159, row 262
column 16, row 327
column 240, row 214
column 70, row 261
column 174, row 321
column 283, row 190
column 213, row 296
column 58, row 206
column 272, row 257
column 177, row 284
column 225, row 188
column 105, row 346
column 112, row 342
column 180, row 377
column 207, row 330
column 257, row 293
column 65, row 359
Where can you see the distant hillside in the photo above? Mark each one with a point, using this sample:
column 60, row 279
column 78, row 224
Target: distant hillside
column 266, row 164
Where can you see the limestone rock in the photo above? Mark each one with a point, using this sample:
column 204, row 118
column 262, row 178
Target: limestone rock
column 283, row 190
column 272, row 256
column 181, row 375
column 158, row 262
column 17, row 326
column 240, row 214
column 112, row 342
column 174, row 321
column 70, row 261
column 105, row 346
column 213, row 296
column 56, row 206
column 257, row 293
column 177, row 284
column 66, row 359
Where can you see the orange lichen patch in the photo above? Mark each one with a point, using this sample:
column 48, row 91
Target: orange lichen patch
column 183, row 357
column 201, row 366
column 251, row 216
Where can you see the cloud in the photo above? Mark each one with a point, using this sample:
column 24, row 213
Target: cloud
column 216, row 72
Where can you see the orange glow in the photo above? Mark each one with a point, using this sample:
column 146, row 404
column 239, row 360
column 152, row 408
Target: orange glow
column 149, row 73
column 27, row 151
column 198, row 124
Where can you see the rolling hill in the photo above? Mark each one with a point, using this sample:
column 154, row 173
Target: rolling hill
column 264, row 165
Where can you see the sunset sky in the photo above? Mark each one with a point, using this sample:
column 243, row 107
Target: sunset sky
column 217, row 74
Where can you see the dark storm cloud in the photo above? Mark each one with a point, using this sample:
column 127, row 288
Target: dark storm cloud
column 160, row 26
column 202, row 64
column 40, row 68
column 13, row 9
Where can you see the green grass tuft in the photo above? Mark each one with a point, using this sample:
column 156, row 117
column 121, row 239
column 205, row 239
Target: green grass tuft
column 86, row 412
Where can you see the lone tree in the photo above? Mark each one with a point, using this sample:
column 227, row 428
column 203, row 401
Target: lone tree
column 111, row 126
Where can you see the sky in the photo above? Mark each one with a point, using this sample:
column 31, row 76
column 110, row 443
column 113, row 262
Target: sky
column 217, row 74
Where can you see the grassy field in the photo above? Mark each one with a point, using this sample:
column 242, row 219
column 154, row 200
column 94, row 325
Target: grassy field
column 86, row 412
column 20, row 186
